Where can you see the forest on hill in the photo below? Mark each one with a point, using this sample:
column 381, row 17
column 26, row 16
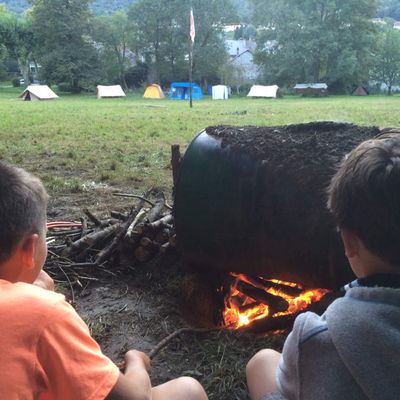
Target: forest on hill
column 106, row 7
column 388, row 8
column 100, row 7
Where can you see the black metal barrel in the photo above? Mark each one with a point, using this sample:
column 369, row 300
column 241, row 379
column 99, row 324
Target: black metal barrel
column 253, row 200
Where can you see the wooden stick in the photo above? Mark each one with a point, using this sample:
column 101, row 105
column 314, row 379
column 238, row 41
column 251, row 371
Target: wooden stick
column 118, row 215
column 166, row 220
column 108, row 251
column 173, row 335
column 91, row 217
column 156, row 211
column 84, row 227
column 175, row 162
column 135, row 196
column 139, row 217
column 89, row 241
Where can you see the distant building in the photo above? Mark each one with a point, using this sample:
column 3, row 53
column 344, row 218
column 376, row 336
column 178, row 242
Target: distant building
column 396, row 25
column 241, row 54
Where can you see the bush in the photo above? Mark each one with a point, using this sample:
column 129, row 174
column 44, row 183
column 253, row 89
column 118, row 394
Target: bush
column 137, row 75
column 64, row 87
column 16, row 82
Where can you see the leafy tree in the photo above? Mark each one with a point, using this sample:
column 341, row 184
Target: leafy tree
column 232, row 75
column 315, row 40
column 209, row 48
column 161, row 35
column 16, row 40
column 387, row 58
column 65, row 51
column 158, row 38
column 112, row 33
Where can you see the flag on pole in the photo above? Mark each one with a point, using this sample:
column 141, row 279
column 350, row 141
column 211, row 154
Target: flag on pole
column 192, row 31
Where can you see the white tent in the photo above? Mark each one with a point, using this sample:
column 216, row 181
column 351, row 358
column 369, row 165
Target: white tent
column 264, row 91
column 38, row 92
column 109, row 91
column 220, row 92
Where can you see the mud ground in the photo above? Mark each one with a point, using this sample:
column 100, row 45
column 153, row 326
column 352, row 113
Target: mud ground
column 138, row 306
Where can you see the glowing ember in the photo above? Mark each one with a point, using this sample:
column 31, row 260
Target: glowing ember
column 241, row 310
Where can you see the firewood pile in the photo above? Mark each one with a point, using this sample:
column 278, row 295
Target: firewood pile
column 122, row 239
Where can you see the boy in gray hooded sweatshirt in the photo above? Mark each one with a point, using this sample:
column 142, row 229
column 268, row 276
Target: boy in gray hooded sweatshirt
column 352, row 351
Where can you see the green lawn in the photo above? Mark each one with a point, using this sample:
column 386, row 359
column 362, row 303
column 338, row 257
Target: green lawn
column 126, row 142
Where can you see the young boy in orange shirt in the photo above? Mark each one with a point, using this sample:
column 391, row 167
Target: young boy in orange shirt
column 353, row 350
column 46, row 349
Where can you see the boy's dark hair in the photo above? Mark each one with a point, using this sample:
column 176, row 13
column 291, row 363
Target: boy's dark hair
column 23, row 202
column 364, row 195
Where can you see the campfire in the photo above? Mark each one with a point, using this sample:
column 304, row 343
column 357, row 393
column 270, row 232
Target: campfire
column 251, row 299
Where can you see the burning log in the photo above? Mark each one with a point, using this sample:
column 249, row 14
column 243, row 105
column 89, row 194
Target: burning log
column 282, row 322
column 290, row 290
column 275, row 303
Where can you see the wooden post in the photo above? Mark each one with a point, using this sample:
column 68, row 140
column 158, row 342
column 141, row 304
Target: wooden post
column 175, row 161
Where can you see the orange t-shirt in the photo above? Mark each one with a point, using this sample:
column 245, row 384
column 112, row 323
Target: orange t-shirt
column 46, row 351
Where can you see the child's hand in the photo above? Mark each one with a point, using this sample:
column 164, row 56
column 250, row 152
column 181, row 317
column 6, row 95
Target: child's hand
column 44, row 281
column 135, row 358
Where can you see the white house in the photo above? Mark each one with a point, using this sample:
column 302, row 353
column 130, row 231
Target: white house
column 241, row 54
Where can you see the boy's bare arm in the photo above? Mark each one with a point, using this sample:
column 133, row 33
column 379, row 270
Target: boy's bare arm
column 44, row 281
column 134, row 383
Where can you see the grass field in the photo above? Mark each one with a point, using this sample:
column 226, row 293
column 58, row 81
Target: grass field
column 125, row 143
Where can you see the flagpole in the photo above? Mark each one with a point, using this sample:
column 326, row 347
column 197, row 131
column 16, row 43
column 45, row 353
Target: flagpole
column 192, row 34
column 190, row 73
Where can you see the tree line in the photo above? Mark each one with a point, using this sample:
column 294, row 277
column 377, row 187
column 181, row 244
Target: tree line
column 336, row 42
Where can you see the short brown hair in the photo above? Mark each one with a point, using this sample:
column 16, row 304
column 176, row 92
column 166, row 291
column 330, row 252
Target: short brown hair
column 364, row 195
column 23, row 202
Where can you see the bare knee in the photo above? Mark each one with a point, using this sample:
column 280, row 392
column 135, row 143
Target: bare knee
column 263, row 359
column 191, row 388
column 261, row 373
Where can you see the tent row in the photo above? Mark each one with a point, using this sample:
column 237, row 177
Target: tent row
column 178, row 91
column 181, row 91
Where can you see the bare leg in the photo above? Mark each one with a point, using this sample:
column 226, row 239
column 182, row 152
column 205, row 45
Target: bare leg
column 183, row 388
column 260, row 373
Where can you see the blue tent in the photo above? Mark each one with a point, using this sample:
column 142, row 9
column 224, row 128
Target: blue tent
column 180, row 91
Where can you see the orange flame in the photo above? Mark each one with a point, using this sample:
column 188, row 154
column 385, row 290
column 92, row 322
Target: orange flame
column 241, row 310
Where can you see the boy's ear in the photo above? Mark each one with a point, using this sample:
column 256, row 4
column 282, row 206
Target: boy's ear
column 351, row 243
column 27, row 250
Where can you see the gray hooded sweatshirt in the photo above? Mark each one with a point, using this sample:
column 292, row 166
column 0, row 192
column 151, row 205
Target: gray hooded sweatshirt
column 350, row 352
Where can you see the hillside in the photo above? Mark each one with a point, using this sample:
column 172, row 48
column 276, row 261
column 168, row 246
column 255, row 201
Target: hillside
column 98, row 6
column 109, row 6
column 388, row 8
